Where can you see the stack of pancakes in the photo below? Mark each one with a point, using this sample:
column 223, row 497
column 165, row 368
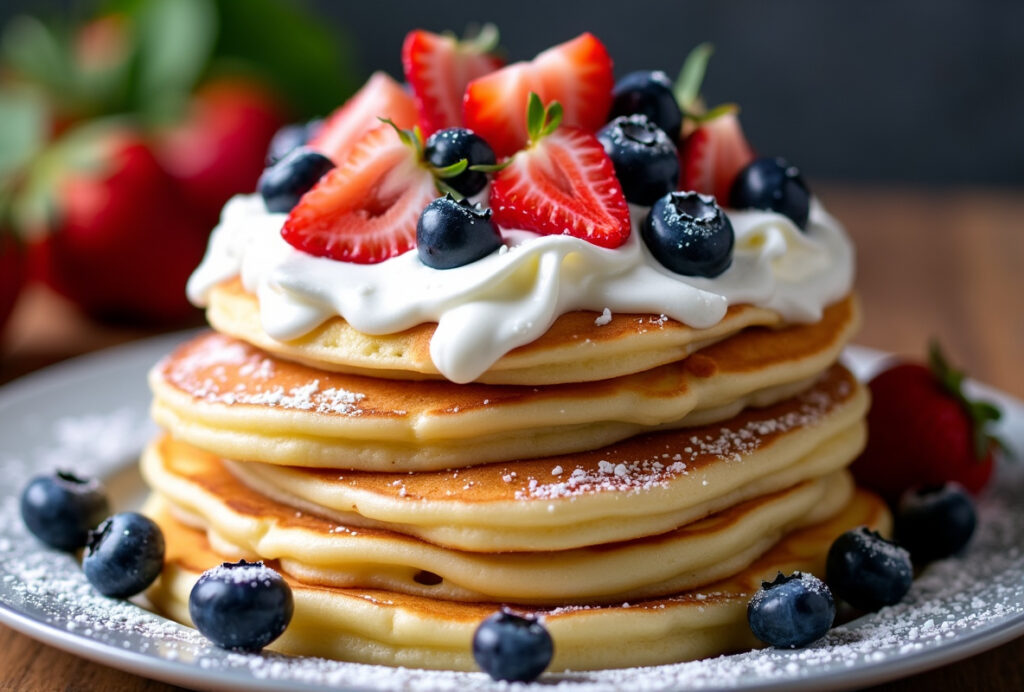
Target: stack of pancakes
column 631, row 481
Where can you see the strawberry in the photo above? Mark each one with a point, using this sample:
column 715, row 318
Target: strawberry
column 217, row 151
column 438, row 67
column 713, row 155
column 714, row 149
column 380, row 97
column 562, row 183
column 922, row 430
column 577, row 74
column 121, row 241
column 12, row 273
column 366, row 209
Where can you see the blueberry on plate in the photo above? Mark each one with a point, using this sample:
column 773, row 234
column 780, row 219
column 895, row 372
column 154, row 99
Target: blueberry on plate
column 774, row 185
column 452, row 233
column 124, row 555
column 447, row 147
column 649, row 93
column 513, row 648
column 645, row 159
column 241, row 606
column 934, row 522
column 60, row 509
column 284, row 183
column 289, row 138
column 689, row 234
column 867, row 571
column 791, row 612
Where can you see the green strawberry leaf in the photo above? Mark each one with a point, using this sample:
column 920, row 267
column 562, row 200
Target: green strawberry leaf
column 691, row 76
column 451, row 171
column 483, row 39
column 35, row 51
column 541, row 120
column 24, row 126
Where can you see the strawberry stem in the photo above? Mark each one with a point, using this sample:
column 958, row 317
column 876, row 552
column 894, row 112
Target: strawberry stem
column 482, row 40
column 691, row 76
column 541, row 120
column 982, row 413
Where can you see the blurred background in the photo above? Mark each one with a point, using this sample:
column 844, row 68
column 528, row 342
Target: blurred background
column 118, row 114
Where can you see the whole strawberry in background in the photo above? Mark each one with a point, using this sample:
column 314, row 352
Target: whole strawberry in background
column 924, row 431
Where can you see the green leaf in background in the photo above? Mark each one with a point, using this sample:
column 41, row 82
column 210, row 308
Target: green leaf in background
column 35, row 52
column 23, row 128
column 307, row 62
column 175, row 39
column 687, row 86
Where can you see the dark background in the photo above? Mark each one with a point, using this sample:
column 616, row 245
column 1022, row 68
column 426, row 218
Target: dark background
column 858, row 90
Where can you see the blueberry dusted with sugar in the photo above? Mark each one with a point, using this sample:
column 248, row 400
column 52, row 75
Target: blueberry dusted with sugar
column 934, row 522
column 689, row 234
column 648, row 93
column 775, row 185
column 284, row 183
column 867, row 571
column 124, row 555
column 645, row 159
column 791, row 612
column 289, row 138
column 453, row 233
column 241, row 606
column 60, row 509
column 447, row 147
column 513, row 648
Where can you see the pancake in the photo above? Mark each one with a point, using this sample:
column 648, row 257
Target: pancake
column 643, row 486
column 574, row 349
column 381, row 627
column 243, row 523
column 230, row 398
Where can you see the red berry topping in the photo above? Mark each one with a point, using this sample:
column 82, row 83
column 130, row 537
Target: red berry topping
column 380, row 97
column 922, row 430
column 562, row 184
column 438, row 67
column 713, row 155
column 366, row 210
column 577, row 74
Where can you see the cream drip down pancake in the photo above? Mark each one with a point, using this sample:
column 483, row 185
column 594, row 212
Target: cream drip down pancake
column 226, row 396
column 389, row 628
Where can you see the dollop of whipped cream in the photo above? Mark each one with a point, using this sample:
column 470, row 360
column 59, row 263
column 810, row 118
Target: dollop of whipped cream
column 486, row 308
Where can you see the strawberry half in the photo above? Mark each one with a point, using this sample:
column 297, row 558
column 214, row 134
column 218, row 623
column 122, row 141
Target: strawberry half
column 366, row 209
column 562, row 184
column 380, row 97
column 577, row 74
column 438, row 67
column 713, row 155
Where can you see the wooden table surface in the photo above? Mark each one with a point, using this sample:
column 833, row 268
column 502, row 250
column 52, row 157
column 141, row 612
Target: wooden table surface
column 944, row 263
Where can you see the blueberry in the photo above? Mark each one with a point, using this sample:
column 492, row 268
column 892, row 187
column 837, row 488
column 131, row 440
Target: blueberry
column 791, row 612
column 775, row 185
column 450, row 234
column 513, row 648
column 60, row 509
column 867, row 571
column 124, row 555
column 284, row 183
column 935, row 522
column 649, row 93
column 446, row 147
column 689, row 234
column 291, row 137
column 241, row 606
column 645, row 159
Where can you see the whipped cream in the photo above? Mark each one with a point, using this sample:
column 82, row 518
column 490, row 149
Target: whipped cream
column 486, row 308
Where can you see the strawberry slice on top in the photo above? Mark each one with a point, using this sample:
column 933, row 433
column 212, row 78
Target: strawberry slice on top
column 380, row 97
column 715, row 150
column 439, row 66
column 563, row 183
column 577, row 74
column 365, row 210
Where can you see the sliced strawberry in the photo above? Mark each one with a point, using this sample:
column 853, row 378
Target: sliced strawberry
column 366, row 210
column 438, row 67
column 380, row 97
column 577, row 74
column 713, row 155
column 563, row 184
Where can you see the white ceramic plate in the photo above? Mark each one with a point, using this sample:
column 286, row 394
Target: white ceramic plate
column 90, row 416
